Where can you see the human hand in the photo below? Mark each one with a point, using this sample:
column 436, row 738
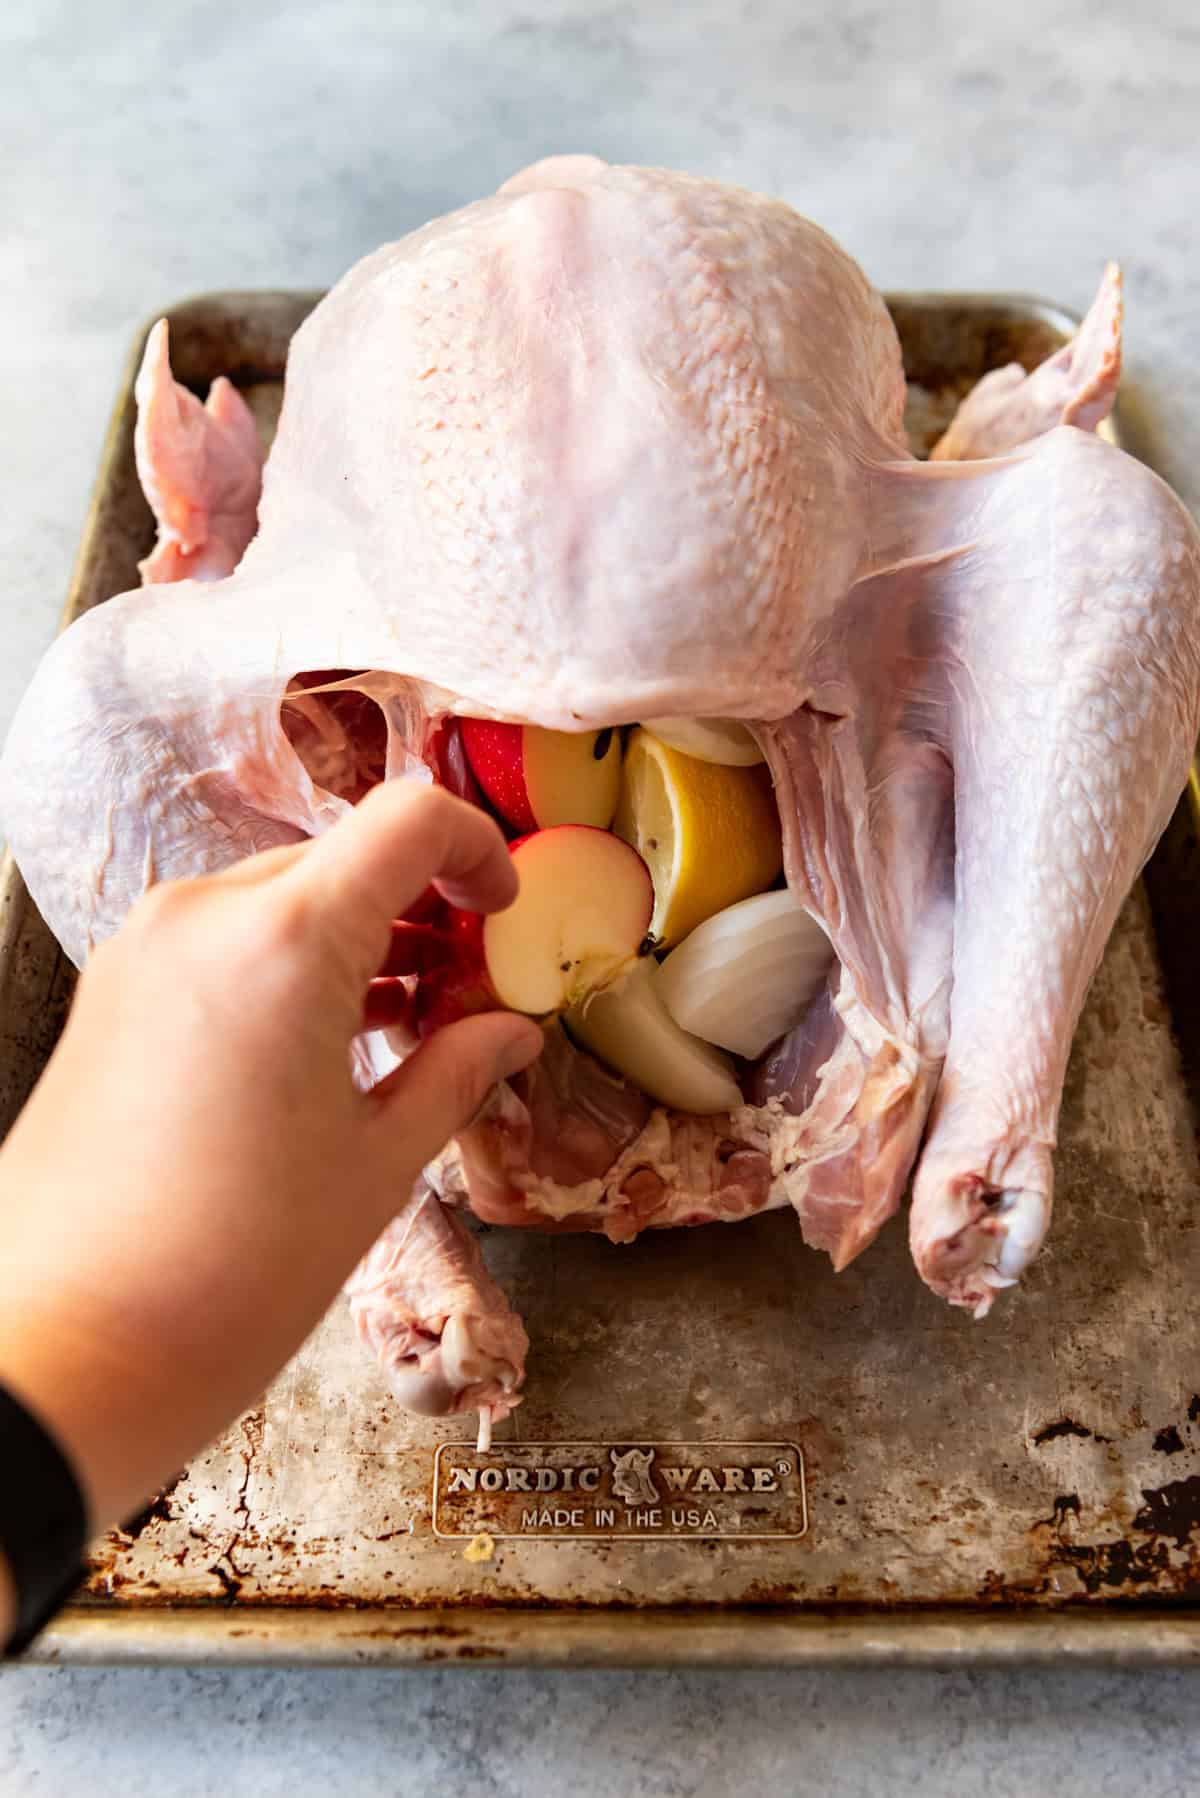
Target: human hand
column 196, row 1172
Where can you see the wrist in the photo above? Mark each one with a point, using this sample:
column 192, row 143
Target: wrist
column 86, row 1397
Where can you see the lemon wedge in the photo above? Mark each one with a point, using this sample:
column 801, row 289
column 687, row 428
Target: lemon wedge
column 708, row 833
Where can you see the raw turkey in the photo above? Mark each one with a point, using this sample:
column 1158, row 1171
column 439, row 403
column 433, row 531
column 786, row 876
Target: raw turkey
column 614, row 444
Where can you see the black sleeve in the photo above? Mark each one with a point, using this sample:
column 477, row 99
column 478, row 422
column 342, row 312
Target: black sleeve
column 43, row 1520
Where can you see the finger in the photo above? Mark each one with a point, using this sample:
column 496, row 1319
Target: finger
column 268, row 864
column 442, row 1085
column 375, row 862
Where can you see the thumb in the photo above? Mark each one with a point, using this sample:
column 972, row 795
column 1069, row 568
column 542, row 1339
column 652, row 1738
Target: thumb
column 437, row 1091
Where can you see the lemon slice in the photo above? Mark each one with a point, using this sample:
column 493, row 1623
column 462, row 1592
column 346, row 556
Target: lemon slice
column 708, row 833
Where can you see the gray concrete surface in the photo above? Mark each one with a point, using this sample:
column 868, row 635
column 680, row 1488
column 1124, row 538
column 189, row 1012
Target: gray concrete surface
column 594, row 1735
column 146, row 153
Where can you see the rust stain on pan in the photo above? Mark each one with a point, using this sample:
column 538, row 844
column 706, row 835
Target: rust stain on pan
column 1066, row 1426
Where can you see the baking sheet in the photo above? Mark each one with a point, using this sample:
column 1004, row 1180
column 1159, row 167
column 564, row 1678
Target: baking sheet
column 726, row 1453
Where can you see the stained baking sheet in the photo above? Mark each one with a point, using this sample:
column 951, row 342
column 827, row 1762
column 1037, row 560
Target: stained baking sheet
column 726, row 1452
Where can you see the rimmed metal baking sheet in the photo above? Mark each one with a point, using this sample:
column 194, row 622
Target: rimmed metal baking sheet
column 1026, row 1489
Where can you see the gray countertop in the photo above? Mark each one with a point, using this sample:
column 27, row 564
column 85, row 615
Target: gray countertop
column 148, row 153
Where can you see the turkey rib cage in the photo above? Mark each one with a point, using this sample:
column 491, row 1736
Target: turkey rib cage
column 617, row 443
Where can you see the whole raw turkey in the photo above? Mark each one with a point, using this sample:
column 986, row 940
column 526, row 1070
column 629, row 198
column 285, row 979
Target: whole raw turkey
column 619, row 443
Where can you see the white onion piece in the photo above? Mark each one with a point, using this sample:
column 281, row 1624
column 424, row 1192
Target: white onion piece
column 744, row 977
column 629, row 1027
column 707, row 739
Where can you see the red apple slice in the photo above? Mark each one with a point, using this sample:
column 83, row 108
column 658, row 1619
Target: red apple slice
column 580, row 917
column 538, row 779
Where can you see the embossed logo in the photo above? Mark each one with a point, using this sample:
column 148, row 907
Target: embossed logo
column 631, row 1481
column 589, row 1491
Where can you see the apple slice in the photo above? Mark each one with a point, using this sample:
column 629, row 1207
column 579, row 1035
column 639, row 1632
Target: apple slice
column 629, row 1027
column 541, row 778
column 579, row 920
